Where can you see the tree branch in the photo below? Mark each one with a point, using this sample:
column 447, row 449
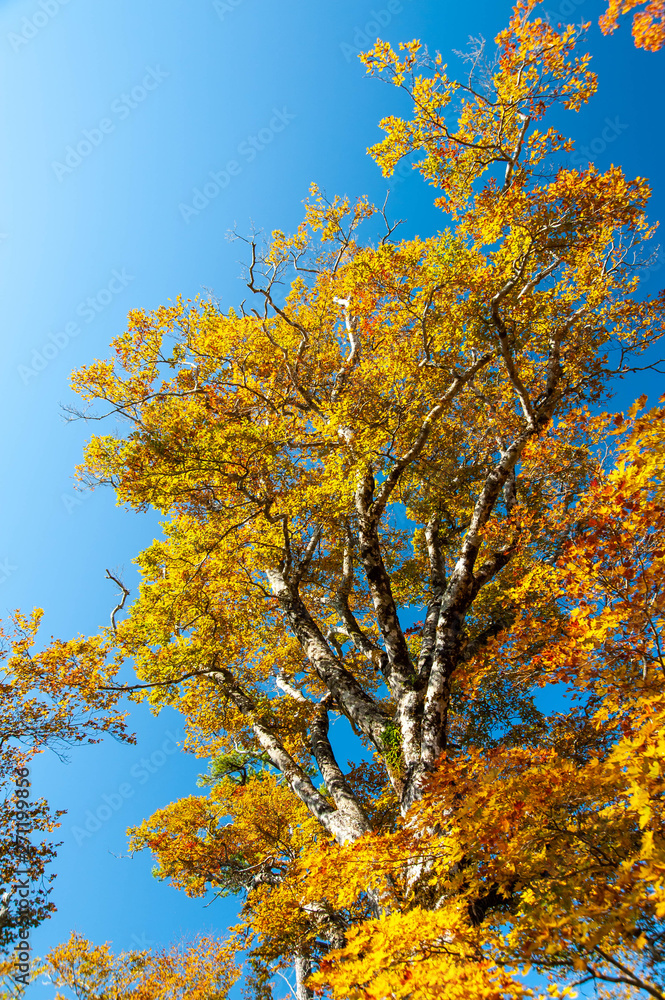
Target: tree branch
column 358, row 706
column 125, row 595
column 351, row 821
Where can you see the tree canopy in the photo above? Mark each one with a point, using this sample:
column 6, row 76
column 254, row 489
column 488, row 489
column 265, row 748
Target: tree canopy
column 392, row 497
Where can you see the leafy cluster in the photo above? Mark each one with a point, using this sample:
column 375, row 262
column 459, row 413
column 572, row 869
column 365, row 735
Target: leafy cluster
column 414, row 427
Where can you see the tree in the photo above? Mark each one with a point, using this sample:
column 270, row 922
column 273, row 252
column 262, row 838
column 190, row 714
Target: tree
column 49, row 699
column 408, row 431
column 648, row 23
column 198, row 970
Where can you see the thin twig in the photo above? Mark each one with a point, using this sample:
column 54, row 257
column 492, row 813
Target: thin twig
column 125, row 595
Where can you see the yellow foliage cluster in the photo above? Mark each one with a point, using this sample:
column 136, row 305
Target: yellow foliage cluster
column 648, row 23
column 200, row 970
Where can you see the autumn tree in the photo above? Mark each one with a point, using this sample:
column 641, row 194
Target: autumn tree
column 369, row 484
column 196, row 970
column 52, row 699
column 648, row 21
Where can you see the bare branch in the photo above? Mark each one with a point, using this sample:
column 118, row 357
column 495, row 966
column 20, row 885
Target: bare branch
column 125, row 595
column 352, row 820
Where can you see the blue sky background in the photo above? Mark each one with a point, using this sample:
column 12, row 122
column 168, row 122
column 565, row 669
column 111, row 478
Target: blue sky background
column 220, row 73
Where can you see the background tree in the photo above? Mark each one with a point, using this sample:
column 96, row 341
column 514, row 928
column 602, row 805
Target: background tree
column 199, row 970
column 48, row 700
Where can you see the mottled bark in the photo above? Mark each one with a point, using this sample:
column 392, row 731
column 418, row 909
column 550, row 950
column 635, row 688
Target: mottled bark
column 299, row 781
column 340, row 602
column 437, row 585
column 400, row 668
column 359, row 707
column 350, row 820
column 303, row 969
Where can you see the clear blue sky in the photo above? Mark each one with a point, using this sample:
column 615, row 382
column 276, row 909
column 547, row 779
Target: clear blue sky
column 157, row 96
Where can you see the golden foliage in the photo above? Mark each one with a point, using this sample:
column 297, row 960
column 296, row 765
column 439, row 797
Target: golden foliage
column 648, row 23
column 200, row 970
